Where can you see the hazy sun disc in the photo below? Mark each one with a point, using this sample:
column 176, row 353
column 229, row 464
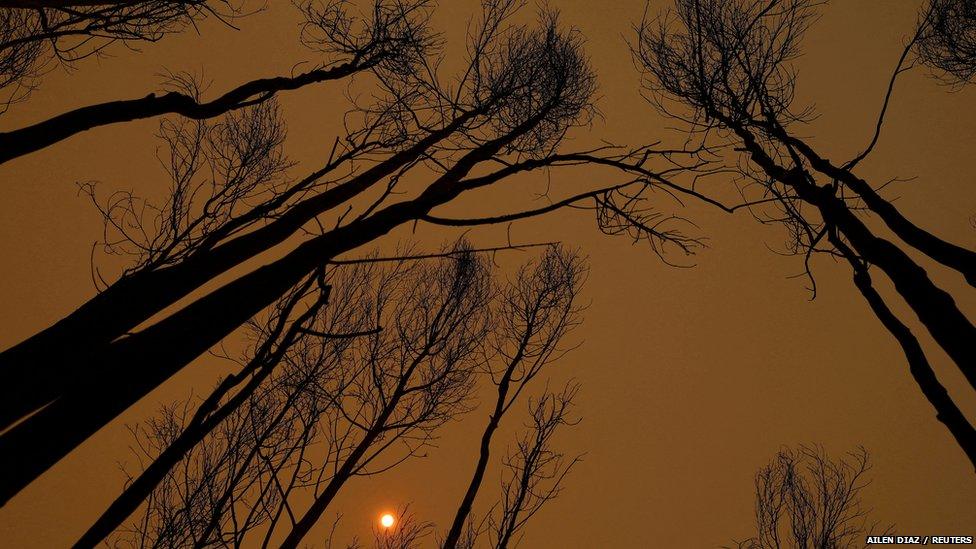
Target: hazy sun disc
column 387, row 520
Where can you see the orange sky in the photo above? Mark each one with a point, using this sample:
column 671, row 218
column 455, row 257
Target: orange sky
column 692, row 378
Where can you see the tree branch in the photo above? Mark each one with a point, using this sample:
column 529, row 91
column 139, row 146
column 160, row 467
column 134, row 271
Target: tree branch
column 23, row 141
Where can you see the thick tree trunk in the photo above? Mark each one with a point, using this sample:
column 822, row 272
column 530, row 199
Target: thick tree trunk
column 946, row 253
column 934, row 306
column 210, row 415
column 40, row 368
column 946, row 410
column 134, row 366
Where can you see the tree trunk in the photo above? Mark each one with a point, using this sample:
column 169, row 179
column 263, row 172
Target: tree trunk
column 133, row 366
column 935, row 307
column 946, row 253
column 484, row 454
column 946, row 410
column 42, row 367
column 321, row 503
column 210, row 415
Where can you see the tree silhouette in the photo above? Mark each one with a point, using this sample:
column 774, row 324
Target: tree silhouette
column 328, row 398
column 805, row 499
column 169, row 439
column 335, row 385
column 535, row 471
column 523, row 88
column 357, row 359
column 724, row 69
column 948, row 41
column 394, row 33
column 532, row 475
column 35, row 34
column 419, row 374
column 536, row 311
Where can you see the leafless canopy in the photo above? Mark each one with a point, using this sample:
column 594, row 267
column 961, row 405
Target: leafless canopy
column 536, row 310
column 385, row 353
column 715, row 64
column 948, row 40
column 363, row 388
column 218, row 173
column 806, row 500
column 394, row 34
column 534, row 313
column 725, row 68
column 728, row 58
column 534, row 469
column 390, row 40
column 35, row 33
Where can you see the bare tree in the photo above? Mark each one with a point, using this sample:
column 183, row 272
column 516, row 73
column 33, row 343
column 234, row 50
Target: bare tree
column 35, row 34
column 724, row 69
column 217, row 172
column 534, row 470
column 523, row 89
column 345, row 401
column 329, row 397
column 168, row 439
column 419, row 374
column 948, row 40
column 806, row 500
column 389, row 39
column 537, row 309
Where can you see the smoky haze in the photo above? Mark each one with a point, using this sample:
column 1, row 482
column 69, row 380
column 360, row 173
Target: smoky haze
column 692, row 378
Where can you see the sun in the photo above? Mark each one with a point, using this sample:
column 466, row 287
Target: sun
column 387, row 520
